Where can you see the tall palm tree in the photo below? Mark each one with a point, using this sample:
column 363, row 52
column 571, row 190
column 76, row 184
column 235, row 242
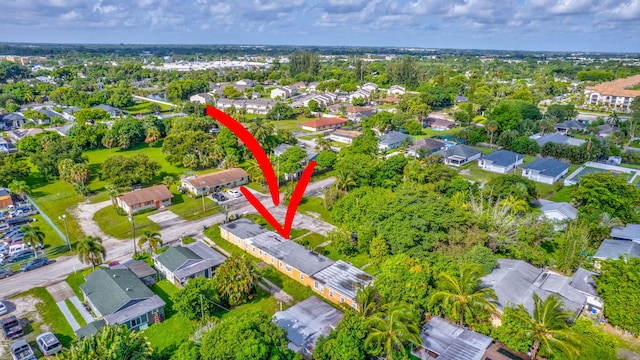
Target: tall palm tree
column 391, row 328
column 152, row 134
column 255, row 172
column 608, row 221
column 151, row 237
column 19, row 187
column 91, row 250
column 462, row 294
column 492, row 127
column 33, row 236
column 322, row 143
column 368, row 301
column 345, row 180
column 548, row 327
column 260, row 130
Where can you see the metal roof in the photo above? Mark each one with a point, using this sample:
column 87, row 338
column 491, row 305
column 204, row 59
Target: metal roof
column 344, row 278
column 392, row 137
column 613, row 249
column 452, row 342
column 306, row 321
column 503, row 158
column 291, row 253
column 547, row 166
column 243, row 228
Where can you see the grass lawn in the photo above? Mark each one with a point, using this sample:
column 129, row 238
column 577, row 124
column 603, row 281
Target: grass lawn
column 311, row 240
column 295, row 233
column 175, row 329
column 119, row 226
column 51, row 317
column 262, row 301
column 290, row 124
column 54, row 244
column 290, row 286
column 213, row 233
column 314, row 205
column 190, row 208
column 143, row 107
column 76, row 279
column 76, row 314
column 429, row 132
column 257, row 187
column 473, row 172
column 564, row 195
column 358, row 260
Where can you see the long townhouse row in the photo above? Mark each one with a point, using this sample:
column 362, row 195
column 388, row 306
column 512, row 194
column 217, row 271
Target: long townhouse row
column 336, row 281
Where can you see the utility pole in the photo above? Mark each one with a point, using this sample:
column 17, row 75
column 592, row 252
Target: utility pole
column 201, row 307
column 63, row 217
column 133, row 232
column 204, row 210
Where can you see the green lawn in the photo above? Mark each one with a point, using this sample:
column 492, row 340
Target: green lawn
column 311, row 240
column 262, row 301
column 190, row 208
column 143, row 107
column 119, row 226
column 314, row 205
column 358, row 260
column 290, row 286
column 290, row 124
column 564, row 195
column 473, row 172
column 76, row 314
column 213, row 233
column 175, row 329
column 76, row 279
column 50, row 316
column 429, row 132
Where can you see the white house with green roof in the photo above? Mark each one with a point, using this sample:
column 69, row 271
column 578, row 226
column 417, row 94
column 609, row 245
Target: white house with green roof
column 119, row 297
column 181, row 263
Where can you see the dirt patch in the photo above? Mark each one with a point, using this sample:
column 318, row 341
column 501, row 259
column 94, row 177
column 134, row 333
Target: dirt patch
column 25, row 309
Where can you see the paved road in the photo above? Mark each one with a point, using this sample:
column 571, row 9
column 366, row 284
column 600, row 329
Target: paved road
column 171, row 231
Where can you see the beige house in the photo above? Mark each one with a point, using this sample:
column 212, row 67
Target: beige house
column 323, row 124
column 157, row 196
column 216, row 181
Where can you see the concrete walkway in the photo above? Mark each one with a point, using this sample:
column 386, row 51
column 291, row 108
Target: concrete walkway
column 81, row 309
column 68, row 315
column 62, row 291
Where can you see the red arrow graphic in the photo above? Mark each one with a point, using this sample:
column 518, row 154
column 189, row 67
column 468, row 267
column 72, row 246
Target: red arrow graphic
column 263, row 160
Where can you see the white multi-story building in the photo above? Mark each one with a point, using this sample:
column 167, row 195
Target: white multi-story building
column 614, row 93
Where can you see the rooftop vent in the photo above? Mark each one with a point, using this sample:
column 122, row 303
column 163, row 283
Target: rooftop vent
column 128, row 289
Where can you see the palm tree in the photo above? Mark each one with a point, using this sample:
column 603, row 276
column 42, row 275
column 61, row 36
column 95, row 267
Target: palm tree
column 368, row 301
column 492, row 127
column 231, row 161
column 255, row 172
column 548, row 328
column 168, row 181
column 260, row 130
column 391, row 328
column 112, row 190
column 90, row 250
column 345, row 180
column 19, row 187
column 462, row 294
column 322, row 143
column 609, row 221
column 152, row 237
column 152, row 135
column 33, row 236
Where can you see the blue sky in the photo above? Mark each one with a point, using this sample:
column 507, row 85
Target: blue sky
column 563, row 25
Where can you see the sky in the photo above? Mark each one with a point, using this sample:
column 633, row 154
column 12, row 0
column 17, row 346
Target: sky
column 545, row 25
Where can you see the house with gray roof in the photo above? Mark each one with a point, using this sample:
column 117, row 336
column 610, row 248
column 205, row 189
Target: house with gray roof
column 515, row 282
column 306, row 321
column 559, row 211
column 12, row 121
column 112, row 111
column 565, row 126
column 545, row 170
column 459, row 154
column 583, row 281
column 613, row 249
column 556, row 138
column 606, row 130
column 181, row 263
column 240, row 230
column 446, row 341
column 425, row 146
column 202, row 98
column 630, row 232
column 340, row 282
column 119, row 297
column 391, row 140
column 501, row 161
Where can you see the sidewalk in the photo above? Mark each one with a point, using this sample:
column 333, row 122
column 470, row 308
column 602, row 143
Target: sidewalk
column 62, row 291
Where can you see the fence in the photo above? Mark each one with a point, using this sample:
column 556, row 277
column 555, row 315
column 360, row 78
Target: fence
column 47, row 219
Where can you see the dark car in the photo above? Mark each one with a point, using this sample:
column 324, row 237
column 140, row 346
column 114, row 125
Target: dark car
column 21, row 255
column 34, row 264
column 219, row 197
column 11, row 327
column 5, row 273
column 19, row 221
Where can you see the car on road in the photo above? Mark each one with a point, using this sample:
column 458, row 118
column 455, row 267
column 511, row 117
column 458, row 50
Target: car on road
column 21, row 255
column 218, row 197
column 48, row 344
column 234, row 193
column 34, row 264
column 3, row 308
column 11, row 327
column 20, row 350
column 5, row 273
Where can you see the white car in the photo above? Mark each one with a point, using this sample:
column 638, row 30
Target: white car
column 234, row 193
column 3, row 308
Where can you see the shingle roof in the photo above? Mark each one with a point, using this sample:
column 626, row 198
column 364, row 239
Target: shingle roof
column 613, row 249
column 452, row 342
column 628, row 232
column 306, row 321
column 154, row 193
column 111, row 289
column 243, row 228
column 135, row 310
column 426, row 143
column 554, row 138
column 90, row 329
column 192, row 259
column 571, row 124
column 140, row 268
column 217, row 178
column 459, row 150
column 564, row 208
column 547, row 166
column 583, row 280
column 503, row 157
column 107, row 108
column 176, row 257
column 324, row 122
column 392, row 137
column 344, row 278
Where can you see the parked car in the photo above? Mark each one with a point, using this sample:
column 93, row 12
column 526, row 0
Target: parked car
column 19, row 221
column 48, row 344
column 3, row 308
column 20, row 350
column 234, row 193
column 218, row 197
column 5, row 273
column 21, row 255
column 35, row 263
column 11, row 327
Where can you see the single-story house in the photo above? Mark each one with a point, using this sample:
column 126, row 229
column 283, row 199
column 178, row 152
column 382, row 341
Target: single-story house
column 323, row 124
column 391, row 140
column 583, row 281
column 501, row 161
column 216, row 181
column 559, row 211
column 140, row 269
column 461, row 99
column 515, row 282
column 566, row 126
column 112, row 111
column 389, row 100
column 119, row 297
column 90, row 329
column 181, row 263
column 5, row 198
column 425, row 146
column 556, row 138
column 370, row 87
column 340, row 282
column 439, row 124
column 306, row 321
column 64, row 130
column 344, row 136
column 202, row 98
column 630, row 232
column 12, row 121
column 459, row 154
column 613, row 249
column 280, row 149
column 444, row 340
column 157, row 196
column 606, row 130
column 7, row 147
column 397, row 90
column 545, row 170
column 356, row 113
